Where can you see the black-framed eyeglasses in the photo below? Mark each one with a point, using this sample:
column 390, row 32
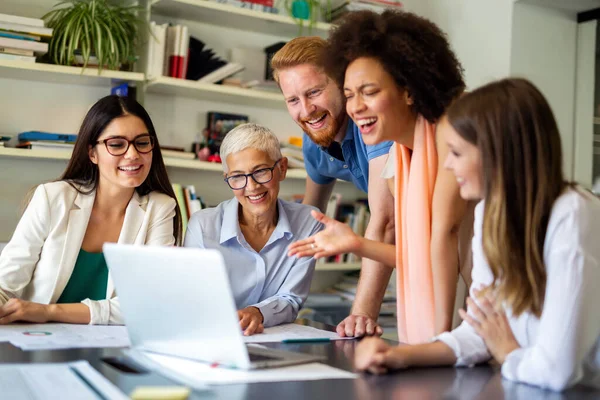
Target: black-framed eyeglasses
column 117, row 146
column 260, row 176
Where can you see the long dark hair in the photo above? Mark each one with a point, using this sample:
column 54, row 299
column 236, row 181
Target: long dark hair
column 514, row 128
column 82, row 173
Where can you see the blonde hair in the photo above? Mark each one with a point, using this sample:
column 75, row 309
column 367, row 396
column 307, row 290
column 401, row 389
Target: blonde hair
column 298, row 51
column 514, row 128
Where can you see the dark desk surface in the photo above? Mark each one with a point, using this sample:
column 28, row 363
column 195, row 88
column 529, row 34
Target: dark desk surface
column 482, row 382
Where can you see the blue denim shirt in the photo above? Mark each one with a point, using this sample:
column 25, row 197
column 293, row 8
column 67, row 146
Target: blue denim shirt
column 324, row 168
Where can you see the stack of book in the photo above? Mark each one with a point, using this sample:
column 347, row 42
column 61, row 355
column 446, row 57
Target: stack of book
column 21, row 38
column 176, row 152
column 342, row 7
column 45, row 140
column 258, row 5
column 4, row 139
column 294, row 155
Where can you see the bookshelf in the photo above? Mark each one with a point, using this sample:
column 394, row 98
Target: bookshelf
column 169, row 162
column 177, row 106
column 213, row 92
column 63, row 74
column 234, row 17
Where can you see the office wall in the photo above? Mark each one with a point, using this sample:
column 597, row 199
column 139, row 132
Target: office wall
column 479, row 31
column 544, row 49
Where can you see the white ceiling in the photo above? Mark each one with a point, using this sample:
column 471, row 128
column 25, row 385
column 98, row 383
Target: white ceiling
column 567, row 5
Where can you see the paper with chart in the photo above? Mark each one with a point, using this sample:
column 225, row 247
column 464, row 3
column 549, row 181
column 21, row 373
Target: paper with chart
column 54, row 381
column 198, row 374
column 63, row 336
column 293, row 332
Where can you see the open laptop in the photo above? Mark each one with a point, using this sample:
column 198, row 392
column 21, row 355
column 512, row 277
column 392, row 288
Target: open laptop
column 178, row 301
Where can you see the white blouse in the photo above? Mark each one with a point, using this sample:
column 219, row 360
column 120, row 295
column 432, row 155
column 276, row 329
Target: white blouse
column 562, row 348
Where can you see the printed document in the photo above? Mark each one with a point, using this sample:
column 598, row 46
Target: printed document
column 63, row 336
column 293, row 332
column 75, row 380
column 198, row 374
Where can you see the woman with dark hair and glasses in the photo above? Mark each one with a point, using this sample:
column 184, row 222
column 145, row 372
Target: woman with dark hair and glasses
column 115, row 189
column 254, row 229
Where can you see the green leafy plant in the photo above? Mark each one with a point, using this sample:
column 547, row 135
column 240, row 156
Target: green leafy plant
column 94, row 28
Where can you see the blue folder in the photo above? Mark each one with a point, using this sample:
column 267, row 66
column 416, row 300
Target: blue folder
column 36, row 135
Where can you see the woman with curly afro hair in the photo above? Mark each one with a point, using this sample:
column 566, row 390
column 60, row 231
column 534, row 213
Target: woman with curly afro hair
column 399, row 75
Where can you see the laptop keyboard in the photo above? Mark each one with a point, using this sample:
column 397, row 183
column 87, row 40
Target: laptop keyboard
column 260, row 357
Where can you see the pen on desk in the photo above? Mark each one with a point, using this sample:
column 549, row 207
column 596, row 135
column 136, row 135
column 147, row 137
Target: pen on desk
column 307, row 340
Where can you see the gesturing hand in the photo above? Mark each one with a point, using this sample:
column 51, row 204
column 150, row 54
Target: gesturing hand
column 251, row 320
column 492, row 325
column 336, row 238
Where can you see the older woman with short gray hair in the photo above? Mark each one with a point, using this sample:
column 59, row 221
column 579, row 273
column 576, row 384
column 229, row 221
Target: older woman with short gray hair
column 254, row 229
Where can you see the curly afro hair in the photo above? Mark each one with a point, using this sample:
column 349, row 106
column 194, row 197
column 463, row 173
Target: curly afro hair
column 412, row 49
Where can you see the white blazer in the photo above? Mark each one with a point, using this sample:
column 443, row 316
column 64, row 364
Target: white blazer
column 38, row 261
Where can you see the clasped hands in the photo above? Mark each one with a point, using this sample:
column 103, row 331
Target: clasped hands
column 376, row 356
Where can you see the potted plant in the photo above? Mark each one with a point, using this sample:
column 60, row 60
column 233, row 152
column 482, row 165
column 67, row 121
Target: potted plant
column 306, row 11
column 93, row 32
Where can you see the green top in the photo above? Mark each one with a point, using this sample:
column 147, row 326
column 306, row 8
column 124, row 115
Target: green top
column 88, row 280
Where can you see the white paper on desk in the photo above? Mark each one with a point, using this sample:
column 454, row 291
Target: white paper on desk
column 292, row 331
column 56, row 381
column 63, row 336
column 190, row 372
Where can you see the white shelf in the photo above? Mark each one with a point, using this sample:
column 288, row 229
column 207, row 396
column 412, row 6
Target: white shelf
column 596, row 120
column 63, row 74
column 169, row 162
column 226, row 15
column 39, row 154
column 338, row 266
column 208, row 166
column 213, row 92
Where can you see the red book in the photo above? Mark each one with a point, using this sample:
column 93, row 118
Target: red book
column 171, row 51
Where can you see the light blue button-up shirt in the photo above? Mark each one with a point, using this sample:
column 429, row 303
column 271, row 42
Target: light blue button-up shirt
column 270, row 280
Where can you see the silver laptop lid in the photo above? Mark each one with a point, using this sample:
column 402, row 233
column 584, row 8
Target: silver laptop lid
column 177, row 301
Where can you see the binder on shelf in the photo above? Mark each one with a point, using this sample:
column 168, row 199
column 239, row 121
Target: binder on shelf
column 178, row 189
column 37, row 135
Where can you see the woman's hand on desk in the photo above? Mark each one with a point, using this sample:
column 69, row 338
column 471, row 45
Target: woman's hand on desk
column 251, row 320
column 336, row 238
column 26, row 311
column 374, row 355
